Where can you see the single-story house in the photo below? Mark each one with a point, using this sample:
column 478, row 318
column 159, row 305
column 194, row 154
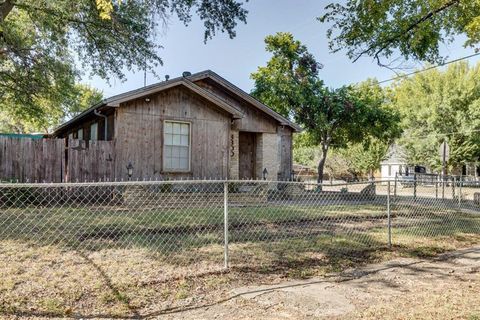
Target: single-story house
column 394, row 164
column 194, row 126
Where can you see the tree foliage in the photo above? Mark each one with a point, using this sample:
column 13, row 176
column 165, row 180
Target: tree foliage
column 48, row 113
column 413, row 28
column 290, row 83
column 292, row 71
column 45, row 45
column 352, row 162
column 364, row 160
column 436, row 106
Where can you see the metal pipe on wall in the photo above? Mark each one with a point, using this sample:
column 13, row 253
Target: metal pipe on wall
column 106, row 123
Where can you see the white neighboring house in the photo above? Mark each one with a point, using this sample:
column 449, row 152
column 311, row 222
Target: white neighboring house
column 394, row 163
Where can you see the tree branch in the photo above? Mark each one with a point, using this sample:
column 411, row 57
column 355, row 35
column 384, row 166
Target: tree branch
column 414, row 25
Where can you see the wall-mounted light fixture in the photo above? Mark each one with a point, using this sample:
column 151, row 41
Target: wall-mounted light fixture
column 265, row 174
column 129, row 170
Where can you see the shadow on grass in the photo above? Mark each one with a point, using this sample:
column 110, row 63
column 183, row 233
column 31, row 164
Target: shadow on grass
column 337, row 278
column 108, row 282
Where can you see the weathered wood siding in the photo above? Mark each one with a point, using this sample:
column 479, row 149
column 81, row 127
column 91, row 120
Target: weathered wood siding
column 139, row 135
column 90, row 161
column 29, row 160
column 253, row 121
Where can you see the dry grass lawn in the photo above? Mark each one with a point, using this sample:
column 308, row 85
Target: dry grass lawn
column 141, row 271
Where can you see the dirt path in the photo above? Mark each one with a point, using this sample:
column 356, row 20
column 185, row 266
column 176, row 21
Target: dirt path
column 447, row 287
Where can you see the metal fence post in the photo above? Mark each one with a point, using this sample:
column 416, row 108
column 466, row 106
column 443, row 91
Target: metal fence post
column 414, row 186
column 460, row 182
column 453, row 188
column 225, row 223
column 443, row 187
column 389, row 218
column 395, row 185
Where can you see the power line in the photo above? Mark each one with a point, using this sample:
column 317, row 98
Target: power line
column 440, row 134
column 429, row 68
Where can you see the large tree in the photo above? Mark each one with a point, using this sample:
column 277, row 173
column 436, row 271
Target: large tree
column 46, row 44
column 290, row 84
column 439, row 106
column 414, row 29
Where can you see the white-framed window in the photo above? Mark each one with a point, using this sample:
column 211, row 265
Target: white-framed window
column 94, row 131
column 80, row 134
column 176, row 146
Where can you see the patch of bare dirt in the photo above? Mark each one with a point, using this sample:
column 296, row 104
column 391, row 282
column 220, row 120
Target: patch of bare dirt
column 447, row 287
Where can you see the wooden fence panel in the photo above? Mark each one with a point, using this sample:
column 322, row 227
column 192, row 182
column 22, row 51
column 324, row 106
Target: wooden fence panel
column 30, row 160
column 90, row 161
column 45, row 160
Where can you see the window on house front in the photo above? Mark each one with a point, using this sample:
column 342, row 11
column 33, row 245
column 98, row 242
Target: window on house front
column 94, row 131
column 80, row 134
column 70, row 136
column 176, row 146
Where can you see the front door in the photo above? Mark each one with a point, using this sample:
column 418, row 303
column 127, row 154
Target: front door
column 246, row 142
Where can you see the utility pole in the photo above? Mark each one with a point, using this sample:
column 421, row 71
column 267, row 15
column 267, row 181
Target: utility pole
column 444, row 158
column 145, row 73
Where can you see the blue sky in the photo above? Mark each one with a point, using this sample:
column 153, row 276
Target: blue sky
column 235, row 59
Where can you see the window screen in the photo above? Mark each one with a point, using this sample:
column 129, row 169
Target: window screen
column 176, row 146
column 80, row 134
column 94, row 131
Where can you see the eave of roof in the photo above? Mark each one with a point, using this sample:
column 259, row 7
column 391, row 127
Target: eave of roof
column 78, row 117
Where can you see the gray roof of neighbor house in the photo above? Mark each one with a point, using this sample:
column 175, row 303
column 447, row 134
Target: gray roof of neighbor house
column 395, row 155
column 187, row 82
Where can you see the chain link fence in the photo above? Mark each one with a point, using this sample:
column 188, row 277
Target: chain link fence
column 146, row 239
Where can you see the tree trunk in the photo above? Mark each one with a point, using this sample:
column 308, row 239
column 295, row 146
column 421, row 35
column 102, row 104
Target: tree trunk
column 5, row 9
column 321, row 164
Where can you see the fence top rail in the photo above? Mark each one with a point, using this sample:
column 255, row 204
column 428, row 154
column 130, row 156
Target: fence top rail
column 160, row 182
column 200, row 181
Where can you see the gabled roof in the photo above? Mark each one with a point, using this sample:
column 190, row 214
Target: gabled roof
column 187, row 82
column 245, row 96
column 117, row 100
column 395, row 155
